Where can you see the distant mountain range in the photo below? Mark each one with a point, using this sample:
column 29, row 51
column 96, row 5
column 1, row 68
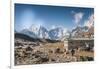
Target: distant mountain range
column 57, row 33
column 41, row 32
column 28, row 38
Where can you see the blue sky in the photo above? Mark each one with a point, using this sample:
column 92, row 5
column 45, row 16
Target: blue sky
column 50, row 16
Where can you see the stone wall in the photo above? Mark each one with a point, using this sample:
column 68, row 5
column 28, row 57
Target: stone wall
column 82, row 44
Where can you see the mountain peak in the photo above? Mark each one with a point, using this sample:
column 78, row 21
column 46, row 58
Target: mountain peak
column 41, row 32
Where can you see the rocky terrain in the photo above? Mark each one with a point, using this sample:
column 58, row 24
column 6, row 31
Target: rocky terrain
column 41, row 51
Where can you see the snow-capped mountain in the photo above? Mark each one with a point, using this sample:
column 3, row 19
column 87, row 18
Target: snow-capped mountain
column 82, row 31
column 56, row 33
column 40, row 31
column 43, row 33
column 29, row 33
column 78, row 30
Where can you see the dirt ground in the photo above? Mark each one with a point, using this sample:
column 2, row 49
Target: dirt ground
column 49, row 53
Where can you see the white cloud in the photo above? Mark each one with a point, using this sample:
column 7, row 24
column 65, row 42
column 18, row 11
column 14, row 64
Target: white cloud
column 53, row 27
column 78, row 17
column 90, row 22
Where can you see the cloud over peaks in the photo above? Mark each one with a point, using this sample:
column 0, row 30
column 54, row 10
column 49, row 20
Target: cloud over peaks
column 90, row 22
column 78, row 17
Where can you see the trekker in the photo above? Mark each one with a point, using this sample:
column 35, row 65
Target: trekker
column 72, row 52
